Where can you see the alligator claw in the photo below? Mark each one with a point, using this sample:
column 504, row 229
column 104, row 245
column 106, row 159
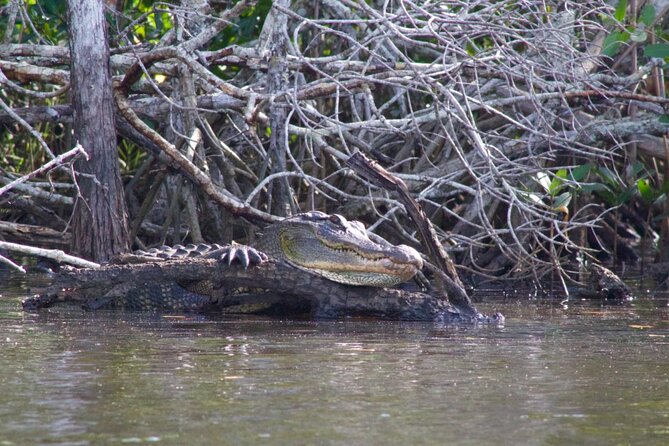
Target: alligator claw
column 243, row 254
column 256, row 256
column 235, row 253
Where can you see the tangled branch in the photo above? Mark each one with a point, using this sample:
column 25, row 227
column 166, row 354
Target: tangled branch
column 480, row 107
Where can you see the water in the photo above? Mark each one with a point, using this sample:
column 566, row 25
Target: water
column 586, row 375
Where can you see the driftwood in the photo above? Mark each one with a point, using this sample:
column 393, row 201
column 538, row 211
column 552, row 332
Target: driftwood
column 268, row 287
column 53, row 254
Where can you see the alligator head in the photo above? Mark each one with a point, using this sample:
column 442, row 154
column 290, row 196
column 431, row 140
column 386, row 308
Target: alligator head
column 339, row 250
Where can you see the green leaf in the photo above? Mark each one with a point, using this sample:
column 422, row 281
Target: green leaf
column 621, row 10
column 608, row 197
column 580, row 172
column 625, row 196
column 656, row 50
column 646, row 191
column 664, row 119
column 562, row 200
column 595, row 187
column 639, row 35
column 532, row 198
column 640, row 168
column 613, row 42
column 557, row 182
column 647, row 15
column 608, row 176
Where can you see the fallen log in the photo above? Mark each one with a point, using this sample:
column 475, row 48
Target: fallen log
column 270, row 287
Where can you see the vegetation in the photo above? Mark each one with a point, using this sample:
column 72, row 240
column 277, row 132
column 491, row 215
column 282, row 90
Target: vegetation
column 532, row 133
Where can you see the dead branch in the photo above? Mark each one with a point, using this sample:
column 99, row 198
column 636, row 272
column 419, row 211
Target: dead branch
column 53, row 254
column 188, row 167
column 57, row 161
column 445, row 271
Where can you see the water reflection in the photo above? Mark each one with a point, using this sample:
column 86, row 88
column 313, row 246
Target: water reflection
column 582, row 375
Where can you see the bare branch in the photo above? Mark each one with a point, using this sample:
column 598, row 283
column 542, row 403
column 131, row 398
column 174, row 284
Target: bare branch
column 57, row 161
column 53, row 254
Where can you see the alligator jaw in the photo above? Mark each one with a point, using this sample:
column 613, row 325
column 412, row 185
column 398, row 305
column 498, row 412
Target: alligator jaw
column 361, row 279
column 402, row 262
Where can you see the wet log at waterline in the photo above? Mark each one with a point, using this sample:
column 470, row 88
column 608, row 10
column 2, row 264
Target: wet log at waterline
column 271, row 287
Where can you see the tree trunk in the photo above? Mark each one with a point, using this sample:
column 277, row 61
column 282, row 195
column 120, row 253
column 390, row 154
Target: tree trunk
column 99, row 223
column 274, row 47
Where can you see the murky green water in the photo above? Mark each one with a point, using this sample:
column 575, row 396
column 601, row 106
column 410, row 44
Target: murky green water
column 586, row 375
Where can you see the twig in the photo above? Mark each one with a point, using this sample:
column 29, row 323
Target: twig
column 57, row 161
column 27, row 126
column 11, row 264
column 54, row 254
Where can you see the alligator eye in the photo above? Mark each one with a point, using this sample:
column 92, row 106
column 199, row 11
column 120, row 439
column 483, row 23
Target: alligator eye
column 338, row 219
column 313, row 216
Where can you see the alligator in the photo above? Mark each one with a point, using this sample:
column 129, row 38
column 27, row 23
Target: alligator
column 326, row 245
